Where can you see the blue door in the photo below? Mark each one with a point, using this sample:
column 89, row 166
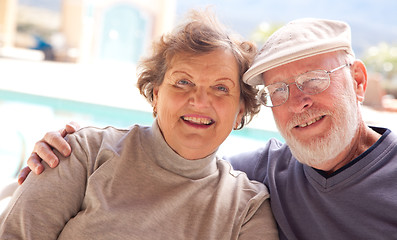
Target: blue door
column 123, row 35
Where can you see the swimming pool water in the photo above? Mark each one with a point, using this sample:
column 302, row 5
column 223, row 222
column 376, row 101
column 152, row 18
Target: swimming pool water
column 26, row 117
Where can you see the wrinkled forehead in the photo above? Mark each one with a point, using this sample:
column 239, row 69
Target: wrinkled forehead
column 217, row 64
column 180, row 55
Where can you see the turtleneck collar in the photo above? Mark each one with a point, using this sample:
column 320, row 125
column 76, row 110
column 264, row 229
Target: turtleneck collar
column 155, row 146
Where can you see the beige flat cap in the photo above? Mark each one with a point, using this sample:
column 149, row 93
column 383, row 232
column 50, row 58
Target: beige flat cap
column 296, row 40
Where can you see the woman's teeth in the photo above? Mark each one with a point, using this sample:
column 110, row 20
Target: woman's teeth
column 310, row 122
column 197, row 120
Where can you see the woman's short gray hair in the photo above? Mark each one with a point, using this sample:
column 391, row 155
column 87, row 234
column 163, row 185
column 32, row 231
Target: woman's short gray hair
column 201, row 33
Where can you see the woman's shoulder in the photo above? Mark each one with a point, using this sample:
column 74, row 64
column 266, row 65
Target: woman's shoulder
column 240, row 181
column 101, row 131
column 96, row 138
column 91, row 133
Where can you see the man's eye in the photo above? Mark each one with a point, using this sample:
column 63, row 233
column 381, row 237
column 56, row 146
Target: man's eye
column 279, row 89
column 313, row 82
column 314, row 79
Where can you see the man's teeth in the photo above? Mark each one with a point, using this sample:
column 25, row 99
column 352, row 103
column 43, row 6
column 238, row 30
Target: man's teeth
column 310, row 123
column 197, row 120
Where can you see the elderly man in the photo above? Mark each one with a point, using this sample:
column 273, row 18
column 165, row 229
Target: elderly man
column 335, row 177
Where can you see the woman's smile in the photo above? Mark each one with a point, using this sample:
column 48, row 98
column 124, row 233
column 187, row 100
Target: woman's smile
column 198, row 121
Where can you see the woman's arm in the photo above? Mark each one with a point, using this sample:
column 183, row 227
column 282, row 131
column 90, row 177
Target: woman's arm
column 259, row 223
column 40, row 208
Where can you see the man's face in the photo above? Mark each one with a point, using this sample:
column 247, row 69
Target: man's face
column 317, row 127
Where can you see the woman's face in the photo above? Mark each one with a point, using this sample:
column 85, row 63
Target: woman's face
column 198, row 103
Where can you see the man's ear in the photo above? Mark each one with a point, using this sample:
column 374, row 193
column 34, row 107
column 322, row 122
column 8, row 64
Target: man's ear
column 359, row 73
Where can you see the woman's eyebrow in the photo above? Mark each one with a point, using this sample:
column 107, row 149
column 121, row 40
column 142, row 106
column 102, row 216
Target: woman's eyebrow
column 226, row 79
column 180, row 72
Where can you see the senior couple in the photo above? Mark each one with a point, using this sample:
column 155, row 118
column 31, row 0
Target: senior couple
column 334, row 178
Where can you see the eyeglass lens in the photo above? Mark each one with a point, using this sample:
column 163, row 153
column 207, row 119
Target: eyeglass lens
column 310, row 83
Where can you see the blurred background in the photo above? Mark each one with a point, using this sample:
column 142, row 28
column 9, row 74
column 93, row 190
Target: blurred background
column 63, row 60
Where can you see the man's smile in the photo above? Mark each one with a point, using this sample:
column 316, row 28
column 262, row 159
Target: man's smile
column 310, row 122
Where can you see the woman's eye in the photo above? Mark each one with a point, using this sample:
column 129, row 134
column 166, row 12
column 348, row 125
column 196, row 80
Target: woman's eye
column 182, row 83
column 222, row 88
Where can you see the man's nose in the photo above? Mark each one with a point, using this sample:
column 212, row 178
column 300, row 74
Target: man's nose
column 298, row 101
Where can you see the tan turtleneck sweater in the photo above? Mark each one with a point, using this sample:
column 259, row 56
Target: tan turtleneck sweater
column 129, row 184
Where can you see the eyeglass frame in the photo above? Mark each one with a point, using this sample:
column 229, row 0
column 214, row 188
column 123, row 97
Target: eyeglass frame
column 299, row 86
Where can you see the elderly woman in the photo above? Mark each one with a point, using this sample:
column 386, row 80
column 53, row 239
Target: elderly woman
column 163, row 181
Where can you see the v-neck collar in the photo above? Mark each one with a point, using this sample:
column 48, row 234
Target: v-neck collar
column 355, row 168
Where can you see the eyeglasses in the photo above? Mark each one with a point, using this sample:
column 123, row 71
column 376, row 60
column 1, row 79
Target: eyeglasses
column 310, row 83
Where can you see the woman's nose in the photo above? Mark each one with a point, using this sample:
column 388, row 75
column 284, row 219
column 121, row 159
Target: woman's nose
column 200, row 98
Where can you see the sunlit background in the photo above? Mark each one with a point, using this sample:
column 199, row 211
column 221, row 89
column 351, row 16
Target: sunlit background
column 63, row 60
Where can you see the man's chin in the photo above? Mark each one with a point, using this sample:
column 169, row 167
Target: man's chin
column 310, row 152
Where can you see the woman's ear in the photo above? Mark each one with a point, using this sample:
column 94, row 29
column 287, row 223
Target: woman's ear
column 240, row 115
column 155, row 93
column 359, row 73
column 154, row 100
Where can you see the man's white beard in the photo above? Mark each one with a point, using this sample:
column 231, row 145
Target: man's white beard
column 318, row 151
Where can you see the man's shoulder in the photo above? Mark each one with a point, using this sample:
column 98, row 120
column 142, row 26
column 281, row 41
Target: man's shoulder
column 255, row 163
column 273, row 146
